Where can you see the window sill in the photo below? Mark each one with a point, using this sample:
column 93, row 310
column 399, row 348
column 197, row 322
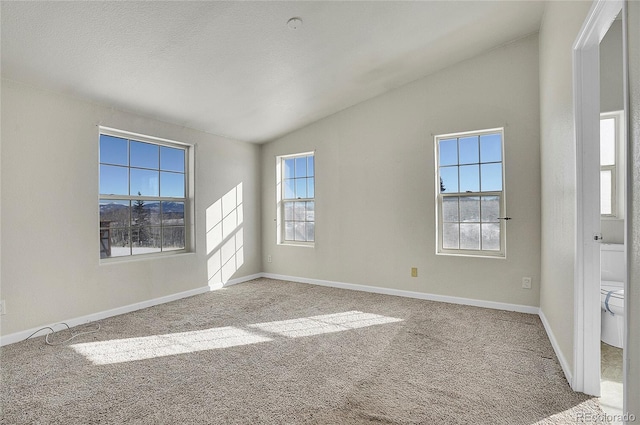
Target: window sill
column 143, row 257
column 500, row 256
column 302, row 244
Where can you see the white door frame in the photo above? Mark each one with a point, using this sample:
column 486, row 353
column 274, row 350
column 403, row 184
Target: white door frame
column 586, row 85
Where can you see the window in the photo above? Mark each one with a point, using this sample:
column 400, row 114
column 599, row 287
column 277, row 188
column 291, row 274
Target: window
column 143, row 195
column 296, row 209
column 470, row 193
column 611, row 152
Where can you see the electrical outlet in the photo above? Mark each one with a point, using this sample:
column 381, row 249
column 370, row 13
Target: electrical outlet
column 3, row 309
column 526, row 283
column 269, row 258
column 414, row 272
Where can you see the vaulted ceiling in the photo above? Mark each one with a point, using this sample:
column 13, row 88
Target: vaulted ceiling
column 236, row 68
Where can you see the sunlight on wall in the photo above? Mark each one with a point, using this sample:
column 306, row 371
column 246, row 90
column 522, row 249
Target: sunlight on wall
column 225, row 237
column 148, row 347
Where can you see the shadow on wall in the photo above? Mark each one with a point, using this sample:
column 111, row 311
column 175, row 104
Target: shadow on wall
column 225, row 238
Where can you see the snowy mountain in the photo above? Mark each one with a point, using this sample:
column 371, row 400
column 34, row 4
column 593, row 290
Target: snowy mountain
column 154, row 207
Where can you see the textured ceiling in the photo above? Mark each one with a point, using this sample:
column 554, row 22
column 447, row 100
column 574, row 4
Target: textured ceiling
column 235, row 68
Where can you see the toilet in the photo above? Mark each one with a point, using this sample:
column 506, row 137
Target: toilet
column 612, row 277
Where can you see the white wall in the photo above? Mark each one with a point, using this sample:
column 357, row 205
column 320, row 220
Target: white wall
column 50, row 259
column 633, row 342
column 375, row 190
column 561, row 23
column 612, row 99
column 1, row 293
column 611, row 84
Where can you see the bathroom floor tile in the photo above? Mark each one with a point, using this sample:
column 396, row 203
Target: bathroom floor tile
column 611, row 379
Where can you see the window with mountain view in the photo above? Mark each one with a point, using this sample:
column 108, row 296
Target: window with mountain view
column 470, row 201
column 296, row 186
column 143, row 195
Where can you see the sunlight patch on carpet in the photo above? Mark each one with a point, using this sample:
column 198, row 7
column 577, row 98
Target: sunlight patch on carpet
column 148, row 347
column 327, row 323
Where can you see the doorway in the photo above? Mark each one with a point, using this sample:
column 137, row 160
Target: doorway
column 587, row 98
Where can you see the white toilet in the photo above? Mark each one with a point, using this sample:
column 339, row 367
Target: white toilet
column 612, row 276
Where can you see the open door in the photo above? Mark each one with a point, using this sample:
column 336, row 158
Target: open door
column 586, row 376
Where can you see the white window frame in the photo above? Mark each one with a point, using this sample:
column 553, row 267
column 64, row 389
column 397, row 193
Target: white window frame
column 280, row 201
column 617, row 178
column 188, row 199
column 502, row 253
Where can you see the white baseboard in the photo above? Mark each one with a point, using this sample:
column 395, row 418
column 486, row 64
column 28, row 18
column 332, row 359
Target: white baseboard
column 20, row 336
column 554, row 343
column 409, row 294
column 243, row 279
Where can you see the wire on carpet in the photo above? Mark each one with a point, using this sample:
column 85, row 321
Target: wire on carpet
column 53, row 331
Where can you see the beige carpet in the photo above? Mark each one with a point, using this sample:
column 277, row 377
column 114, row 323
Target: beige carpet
column 277, row 352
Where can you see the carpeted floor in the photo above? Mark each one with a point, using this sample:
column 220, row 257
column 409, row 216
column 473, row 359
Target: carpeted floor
column 277, row 352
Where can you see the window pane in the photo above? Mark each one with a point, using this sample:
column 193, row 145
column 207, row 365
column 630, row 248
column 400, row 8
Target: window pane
column 288, row 231
column 144, row 182
column 288, row 210
column 491, row 177
column 145, row 213
column 114, row 213
column 299, row 212
column 114, row 180
column 310, row 211
column 491, row 148
column 310, row 166
column 606, row 206
column 448, row 152
column 289, row 189
column 113, row 150
column 450, row 209
column 141, row 226
column 469, row 150
column 120, row 245
column 311, row 232
column 301, row 188
column 288, row 168
column 469, row 178
column 145, row 239
column 311, row 190
column 301, row 231
column 490, row 206
column 469, row 236
column 172, row 185
column 608, row 141
column 450, row 236
column 114, row 222
column 171, row 159
column 172, row 213
column 469, row 165
column 470, row 209
column 301, row 166
column 491, row 236
column 144, row 155
column 298, row 184
column 449, row 179
column 172, row 238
